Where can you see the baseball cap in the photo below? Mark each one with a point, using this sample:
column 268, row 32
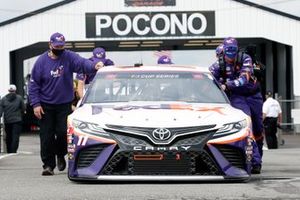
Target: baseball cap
column 164, row 60
column 269, row 93
column 230, row 47
column 57, row 39
column 99, row 52
column 230, row 42
column 12, row 88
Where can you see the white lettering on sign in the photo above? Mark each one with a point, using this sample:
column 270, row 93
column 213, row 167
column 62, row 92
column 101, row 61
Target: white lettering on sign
column 127, row 22
column 203, row 23
column 100, row 25
column 181, row 25
column 154, row 20
column 135, row 22
column 157, row 24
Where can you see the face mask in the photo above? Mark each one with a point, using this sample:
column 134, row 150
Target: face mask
column 57, row 52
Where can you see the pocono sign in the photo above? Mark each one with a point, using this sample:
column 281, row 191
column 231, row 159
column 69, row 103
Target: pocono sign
column 152, row 24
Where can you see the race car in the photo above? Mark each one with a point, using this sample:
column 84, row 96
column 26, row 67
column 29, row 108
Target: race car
column 158, row 123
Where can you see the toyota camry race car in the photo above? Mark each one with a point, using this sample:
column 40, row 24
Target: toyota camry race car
column 158, row 123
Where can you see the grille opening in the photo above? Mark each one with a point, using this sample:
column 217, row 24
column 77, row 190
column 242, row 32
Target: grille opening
column 117, row 165
column 173, row 163
column 204, row 164
column 234, row 155
column 194, row 139
column 121, row 167
column 128, row 138
column 200, row 166
column 88, row 155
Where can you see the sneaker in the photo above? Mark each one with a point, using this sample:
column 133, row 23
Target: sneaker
column 256, row 169
column 265, row 148
column 61, row 163
column 47, row 171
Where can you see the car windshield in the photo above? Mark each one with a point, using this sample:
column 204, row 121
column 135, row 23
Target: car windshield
column 154, row 86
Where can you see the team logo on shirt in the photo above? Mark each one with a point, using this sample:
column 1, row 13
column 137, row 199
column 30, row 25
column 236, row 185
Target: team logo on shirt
column 58, row 72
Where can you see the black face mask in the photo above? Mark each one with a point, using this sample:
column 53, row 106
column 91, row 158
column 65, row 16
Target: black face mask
column 57, row 52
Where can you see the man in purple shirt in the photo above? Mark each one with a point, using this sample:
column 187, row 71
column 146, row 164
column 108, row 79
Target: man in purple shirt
column 84, row 80
column 51, row 95
column 234, row 71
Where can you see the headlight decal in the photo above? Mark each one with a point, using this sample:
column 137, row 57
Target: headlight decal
column 85, row 131
column 231, row 128
column 95, row 137
column 89, row 128
column 232, row 137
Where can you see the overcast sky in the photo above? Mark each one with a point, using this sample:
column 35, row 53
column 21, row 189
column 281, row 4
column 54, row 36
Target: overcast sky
column 289, row 6
column 13, row 8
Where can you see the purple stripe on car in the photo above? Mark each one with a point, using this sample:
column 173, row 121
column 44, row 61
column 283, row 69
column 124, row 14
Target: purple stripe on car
column 97, row 165
column 226, row 167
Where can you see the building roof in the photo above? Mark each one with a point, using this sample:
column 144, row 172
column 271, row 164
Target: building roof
column 35, row 12
column 69, row 1
column 268, row 9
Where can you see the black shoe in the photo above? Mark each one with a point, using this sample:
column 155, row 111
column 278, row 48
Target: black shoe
column 256, row 169
column 61, row 163
column 47, row 172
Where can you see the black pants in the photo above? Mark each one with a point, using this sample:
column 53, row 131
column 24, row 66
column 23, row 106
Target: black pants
column 270, row 124
column 13, row 131
column 53, row 132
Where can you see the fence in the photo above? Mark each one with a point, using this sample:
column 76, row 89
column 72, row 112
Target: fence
column 1, row 138
column 290, row 115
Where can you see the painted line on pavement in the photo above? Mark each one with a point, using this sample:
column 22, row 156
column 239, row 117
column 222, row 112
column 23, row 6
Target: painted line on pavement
column 25, row 152
column 7, row 155
column 13, row 154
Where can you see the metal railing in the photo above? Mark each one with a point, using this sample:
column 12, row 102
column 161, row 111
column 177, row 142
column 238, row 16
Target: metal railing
column 1, row 138
column 289, row 124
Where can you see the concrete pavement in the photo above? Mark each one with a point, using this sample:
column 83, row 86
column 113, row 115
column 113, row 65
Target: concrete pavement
column 20, row 178
column 282, row 162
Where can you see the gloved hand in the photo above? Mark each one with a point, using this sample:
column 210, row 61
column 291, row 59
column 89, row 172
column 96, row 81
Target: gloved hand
column 223, row 86
column 99, row 65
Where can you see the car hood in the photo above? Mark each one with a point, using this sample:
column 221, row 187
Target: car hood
column 153, row 114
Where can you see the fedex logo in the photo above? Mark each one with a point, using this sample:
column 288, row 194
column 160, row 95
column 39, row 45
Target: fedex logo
column 60, row 38
column 58, row 72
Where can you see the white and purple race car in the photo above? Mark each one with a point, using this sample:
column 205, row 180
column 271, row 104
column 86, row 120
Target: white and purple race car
column 158, row 123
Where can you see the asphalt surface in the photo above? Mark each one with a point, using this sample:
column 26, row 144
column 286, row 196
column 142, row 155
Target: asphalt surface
column 20, row 178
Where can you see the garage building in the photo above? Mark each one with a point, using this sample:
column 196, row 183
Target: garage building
column 189, row 29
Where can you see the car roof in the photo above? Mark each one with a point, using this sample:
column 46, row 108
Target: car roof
column 157, row 68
